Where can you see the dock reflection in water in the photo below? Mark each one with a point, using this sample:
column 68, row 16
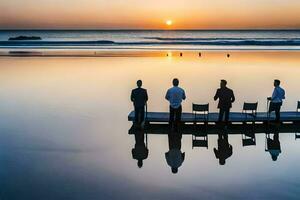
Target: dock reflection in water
column 223, row 151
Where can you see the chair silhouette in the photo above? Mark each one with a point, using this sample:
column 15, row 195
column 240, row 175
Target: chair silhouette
column 250, row 109
column 297, row 135
column 200, row 111
column 248, row 136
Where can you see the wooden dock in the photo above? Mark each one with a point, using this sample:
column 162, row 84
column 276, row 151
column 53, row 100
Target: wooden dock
column 240, row 123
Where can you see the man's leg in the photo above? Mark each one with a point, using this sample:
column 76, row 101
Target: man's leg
column 221, row 113
column 142, row 115
column 139, row 114
column 136, row 114
column 227, row 115
column 171, row 119
column 178, row 112
column 277, row 112
column 271, row 109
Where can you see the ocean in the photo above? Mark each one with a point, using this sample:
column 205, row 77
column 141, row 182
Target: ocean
column 155, row 39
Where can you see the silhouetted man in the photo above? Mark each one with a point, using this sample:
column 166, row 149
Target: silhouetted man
column 140, row 150
column 175, row 95
column 174, row 156
column 274, row 147
column 139, row 97
column 276, row 99
column 226, row 98
column 224, row 150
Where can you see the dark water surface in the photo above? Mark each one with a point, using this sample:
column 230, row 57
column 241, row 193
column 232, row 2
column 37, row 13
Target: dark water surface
column 64, row 128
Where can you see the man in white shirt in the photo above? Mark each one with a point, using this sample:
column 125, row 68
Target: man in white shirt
column 276, row 99
column 175, row 95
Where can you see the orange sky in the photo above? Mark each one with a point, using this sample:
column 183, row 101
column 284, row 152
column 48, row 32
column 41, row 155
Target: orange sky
column 138, row 14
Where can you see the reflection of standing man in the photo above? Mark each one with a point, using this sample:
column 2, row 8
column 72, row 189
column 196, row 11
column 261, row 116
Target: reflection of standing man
column 224, row 150
column 140, row 150
column 273, row 145
column 226, row 98
column 174, row 156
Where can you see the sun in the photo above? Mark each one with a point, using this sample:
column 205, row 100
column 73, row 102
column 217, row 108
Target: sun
column 169, row 22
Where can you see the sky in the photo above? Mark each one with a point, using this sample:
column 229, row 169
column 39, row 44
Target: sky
column 150, row 14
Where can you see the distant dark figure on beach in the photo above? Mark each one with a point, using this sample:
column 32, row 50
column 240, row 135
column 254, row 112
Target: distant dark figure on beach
column 139, row 97
column 174, row 156
column 224, row 150
column 273, row 146
column 226, row 98
column 175, row 95
column 140, row 150
column 276, row 99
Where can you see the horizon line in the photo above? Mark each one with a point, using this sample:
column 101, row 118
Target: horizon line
column 134, row 29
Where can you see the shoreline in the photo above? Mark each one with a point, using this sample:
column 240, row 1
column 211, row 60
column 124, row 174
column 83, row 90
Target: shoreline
column 134, row 52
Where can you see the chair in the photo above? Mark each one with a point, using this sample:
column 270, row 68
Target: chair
column 203, row 111
column 250, row 109
column 248, row 135
column 200, row 142
column 297, row 136
column 200, row 109
column 248, row 139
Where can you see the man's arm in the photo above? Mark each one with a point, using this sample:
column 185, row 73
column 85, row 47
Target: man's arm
column 230, row 151
column 146, row 96
column 167, row 95
column 216, row 153
column 132, row 96
column 232, row 97
column 216, row 95
column 274, row 94
column 183, row 95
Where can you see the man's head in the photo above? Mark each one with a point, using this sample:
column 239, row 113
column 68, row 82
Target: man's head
column 276, row 82
column 274, row 158
column 140, row 163
column 175, row 82
column 222, row 161
column 174, row 170
column 139, row 83
column 223, row 83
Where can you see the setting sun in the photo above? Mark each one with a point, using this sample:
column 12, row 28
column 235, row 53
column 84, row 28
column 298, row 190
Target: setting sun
column 169, row 22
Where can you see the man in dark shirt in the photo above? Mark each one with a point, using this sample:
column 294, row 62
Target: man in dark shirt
column 226, row 98
column 139, row 97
